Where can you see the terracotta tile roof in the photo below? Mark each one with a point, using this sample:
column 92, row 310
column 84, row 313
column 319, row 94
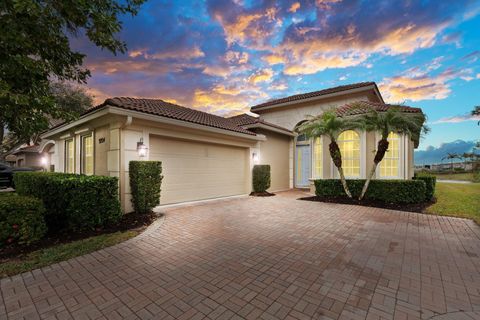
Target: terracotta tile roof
column 30, row 149
column 246, row 120
column 312, row 94
column 360, row 107
column 169, row 110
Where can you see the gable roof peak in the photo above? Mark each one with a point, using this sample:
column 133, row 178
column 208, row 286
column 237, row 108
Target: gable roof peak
column 314, row 94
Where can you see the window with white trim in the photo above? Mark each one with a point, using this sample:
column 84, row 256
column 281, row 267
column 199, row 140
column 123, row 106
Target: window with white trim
column 349, row 144
column 390, row 164
column 87, row 154
column 317, row 158
column 70, row 156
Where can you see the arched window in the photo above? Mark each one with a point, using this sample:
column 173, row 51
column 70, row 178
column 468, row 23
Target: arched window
column 349, row 144
column 302, row 137
column 390, row 164
column 318, row 158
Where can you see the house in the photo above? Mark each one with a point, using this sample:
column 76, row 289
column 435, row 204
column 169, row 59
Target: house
column 206, row 156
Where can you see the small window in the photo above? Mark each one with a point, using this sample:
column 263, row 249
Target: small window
column 389, row 167
column 87, row 154
column 349, row 144
column 69, row 156
column 318, row 157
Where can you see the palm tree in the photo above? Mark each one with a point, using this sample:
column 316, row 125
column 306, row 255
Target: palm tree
column 331, row 125
column 476, row 112
column 451, row 156
column 384, row 122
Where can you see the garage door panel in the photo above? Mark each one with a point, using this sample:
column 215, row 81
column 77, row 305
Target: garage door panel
column 196, row 170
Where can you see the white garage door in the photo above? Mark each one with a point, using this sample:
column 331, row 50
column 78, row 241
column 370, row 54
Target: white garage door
column 196, row 170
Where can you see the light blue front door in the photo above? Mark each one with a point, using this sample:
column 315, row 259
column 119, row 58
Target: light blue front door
column 302, row 166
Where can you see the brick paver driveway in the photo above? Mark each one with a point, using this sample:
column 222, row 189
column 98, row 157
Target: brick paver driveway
column 270, row 258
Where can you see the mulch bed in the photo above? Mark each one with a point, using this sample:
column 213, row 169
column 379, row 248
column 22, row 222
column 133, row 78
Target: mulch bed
column 410, row 207
column 129, row 221
column 262, row 194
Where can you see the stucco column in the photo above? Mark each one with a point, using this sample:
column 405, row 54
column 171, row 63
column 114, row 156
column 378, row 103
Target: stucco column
column 291, row 164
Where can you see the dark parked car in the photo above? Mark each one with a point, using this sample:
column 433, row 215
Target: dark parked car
column 6, row 174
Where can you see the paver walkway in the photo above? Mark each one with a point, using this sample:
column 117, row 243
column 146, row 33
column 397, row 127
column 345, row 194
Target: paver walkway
column 268, row 258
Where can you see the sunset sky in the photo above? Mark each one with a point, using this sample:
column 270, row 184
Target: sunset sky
column 224, row 56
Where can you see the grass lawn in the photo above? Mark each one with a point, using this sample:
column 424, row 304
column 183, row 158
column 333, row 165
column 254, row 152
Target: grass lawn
column 457, row 200
column 61, row 252
column 463, row 176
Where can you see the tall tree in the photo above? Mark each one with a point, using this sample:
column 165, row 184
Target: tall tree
column 476, row 112
column 35, row 48
column 384, row 122
column 71, row 98
column 331, row 125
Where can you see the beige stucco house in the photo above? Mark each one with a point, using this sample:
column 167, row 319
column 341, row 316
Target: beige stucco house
column 206, row 156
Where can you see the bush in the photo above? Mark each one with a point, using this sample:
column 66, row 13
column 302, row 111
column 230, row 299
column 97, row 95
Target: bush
column 145, row 182
column 21, row 220
column 388, row 191
column 430, row 182
column 261, row 177
column 72, row 202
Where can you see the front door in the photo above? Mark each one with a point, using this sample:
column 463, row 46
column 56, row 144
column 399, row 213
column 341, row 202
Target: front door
column 302, row 166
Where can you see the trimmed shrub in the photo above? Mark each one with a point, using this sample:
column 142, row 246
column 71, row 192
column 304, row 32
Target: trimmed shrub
column 430, row 182
column 261, row 177
column 389, row 191
column 145, row 182
column 21, row 220
column 72, row 201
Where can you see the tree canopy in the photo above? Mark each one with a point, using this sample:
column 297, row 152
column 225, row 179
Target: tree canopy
column 35, row 50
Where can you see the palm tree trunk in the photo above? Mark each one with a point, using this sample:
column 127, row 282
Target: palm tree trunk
column 337, row 161
column 367, row 182
column 344, row 182
column 382, row 148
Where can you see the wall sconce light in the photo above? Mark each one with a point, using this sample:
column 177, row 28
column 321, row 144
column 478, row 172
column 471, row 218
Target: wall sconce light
column 255, row 158
column 142, row 148
column 44, row 161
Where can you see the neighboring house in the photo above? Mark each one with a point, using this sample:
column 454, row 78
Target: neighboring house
column 205, row 156
column 34, row 156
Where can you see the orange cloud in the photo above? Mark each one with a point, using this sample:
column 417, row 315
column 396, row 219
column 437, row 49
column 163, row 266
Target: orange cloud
column 416, row 85
column 273, row 59
column 294, row 7
column 261, row 76
column 313, row 63
column 183, row 53
column 236, row 57
column 278, row 87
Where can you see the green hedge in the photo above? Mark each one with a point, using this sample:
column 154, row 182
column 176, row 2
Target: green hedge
column 389, row 191
column 145, row 182
column 21, row 220
column 430, row 183
column 261, row 177
column 72, row 202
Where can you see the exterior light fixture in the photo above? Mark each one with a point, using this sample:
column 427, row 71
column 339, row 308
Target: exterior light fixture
column 255, row 158
column 141, row 148
column 44, row 161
